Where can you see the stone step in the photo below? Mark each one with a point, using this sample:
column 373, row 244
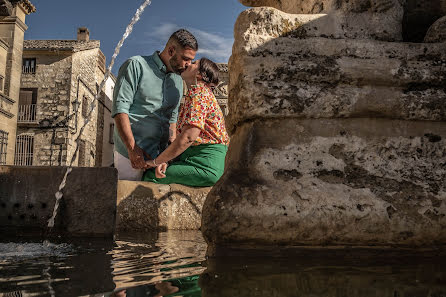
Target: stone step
column 145, row 206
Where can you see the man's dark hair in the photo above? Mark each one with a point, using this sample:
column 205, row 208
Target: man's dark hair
column 209, row 71
column 185, row 39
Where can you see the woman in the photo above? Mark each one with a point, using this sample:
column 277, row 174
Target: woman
column 201, row 139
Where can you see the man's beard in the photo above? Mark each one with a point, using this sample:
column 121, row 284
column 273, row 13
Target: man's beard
column 175, row 65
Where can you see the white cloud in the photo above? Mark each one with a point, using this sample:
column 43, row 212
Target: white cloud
column 210, row 45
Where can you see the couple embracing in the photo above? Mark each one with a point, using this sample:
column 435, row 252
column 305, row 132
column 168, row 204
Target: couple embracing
column 156, row 140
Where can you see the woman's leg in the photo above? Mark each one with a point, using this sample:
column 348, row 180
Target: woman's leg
column 199, row 166
column 183, row 173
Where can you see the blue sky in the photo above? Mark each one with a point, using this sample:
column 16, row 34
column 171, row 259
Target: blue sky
column 211, row 21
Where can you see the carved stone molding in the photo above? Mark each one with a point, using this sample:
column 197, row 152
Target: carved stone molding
column 6, row 104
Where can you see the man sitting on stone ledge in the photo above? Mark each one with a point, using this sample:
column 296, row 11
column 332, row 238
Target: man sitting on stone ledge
column 202, row 138
column 146, row 101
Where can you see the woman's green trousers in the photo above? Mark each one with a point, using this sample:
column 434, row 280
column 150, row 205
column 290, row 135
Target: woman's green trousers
column 198, row 166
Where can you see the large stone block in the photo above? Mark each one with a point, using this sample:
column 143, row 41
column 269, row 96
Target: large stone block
column 88, row 206
column 287, row 67
column 330, row 182
column 419, row 15
column 437, row 32
column 406, row 20
column 338, row 131
column 146, row 206
column 376, row 19
column 324, row 6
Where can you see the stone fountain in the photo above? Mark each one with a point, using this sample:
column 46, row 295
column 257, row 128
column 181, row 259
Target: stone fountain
column 337, row 113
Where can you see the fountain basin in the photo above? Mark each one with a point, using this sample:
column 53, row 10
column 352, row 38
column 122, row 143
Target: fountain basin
column 88, row 206
column 95, row 203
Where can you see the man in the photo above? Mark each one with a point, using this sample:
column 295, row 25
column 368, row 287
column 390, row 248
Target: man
column 145, row 103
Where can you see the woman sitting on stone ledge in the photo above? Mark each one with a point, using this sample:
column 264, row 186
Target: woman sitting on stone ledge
column 202, row 139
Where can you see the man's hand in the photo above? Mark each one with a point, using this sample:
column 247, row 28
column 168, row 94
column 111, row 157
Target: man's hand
column 161, row 170
column 136, row 156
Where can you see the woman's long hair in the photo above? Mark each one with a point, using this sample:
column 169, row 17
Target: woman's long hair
column 209, row 71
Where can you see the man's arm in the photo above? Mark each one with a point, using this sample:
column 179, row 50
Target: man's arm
column 136, row 154
column 125, row 88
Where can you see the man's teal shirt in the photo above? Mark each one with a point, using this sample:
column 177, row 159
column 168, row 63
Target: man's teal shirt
column 150, row 96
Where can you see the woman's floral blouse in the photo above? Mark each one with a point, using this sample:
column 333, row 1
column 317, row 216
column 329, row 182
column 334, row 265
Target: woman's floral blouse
column 200, row 109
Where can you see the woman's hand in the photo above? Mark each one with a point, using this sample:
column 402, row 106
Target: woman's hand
column 161, row 170
column 152, row 163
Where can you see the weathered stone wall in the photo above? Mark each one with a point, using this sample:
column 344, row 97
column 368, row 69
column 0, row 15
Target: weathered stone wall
column 53, row 82
column 144, row 206
column 100, row 121
column 374, row 19
column 88, row 207
column 62, row 80
column 107, row 140
column 85, row 67
column 337, row 138
column 301, row 73
column 390, row 20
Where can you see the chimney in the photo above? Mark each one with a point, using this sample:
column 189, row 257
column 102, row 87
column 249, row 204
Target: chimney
column 83, row 34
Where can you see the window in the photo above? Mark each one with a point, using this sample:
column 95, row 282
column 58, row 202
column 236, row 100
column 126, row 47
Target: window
column 3, row 146
column 27, row 106
column 24, row 150
column 85, row 106
column 110, row 137
column 29, row 65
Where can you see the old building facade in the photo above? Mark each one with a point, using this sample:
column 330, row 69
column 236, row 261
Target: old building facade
column 221, row 91
column 12, row 30
column 60, row 79
column 105, row 124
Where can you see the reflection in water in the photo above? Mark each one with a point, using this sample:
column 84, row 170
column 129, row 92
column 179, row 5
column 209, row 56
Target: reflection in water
column 325, row 273
column 84, row 268
column 186, row 287
column 74, row 269
column 173, row 264
column 157, row 257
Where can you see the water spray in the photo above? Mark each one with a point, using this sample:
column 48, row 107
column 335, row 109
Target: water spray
column 92, row 106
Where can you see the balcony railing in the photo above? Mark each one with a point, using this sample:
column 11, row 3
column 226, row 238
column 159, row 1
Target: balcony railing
column 28, row 69
column 27, row 113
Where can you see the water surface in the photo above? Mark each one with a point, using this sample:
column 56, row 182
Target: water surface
column 174, row 264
